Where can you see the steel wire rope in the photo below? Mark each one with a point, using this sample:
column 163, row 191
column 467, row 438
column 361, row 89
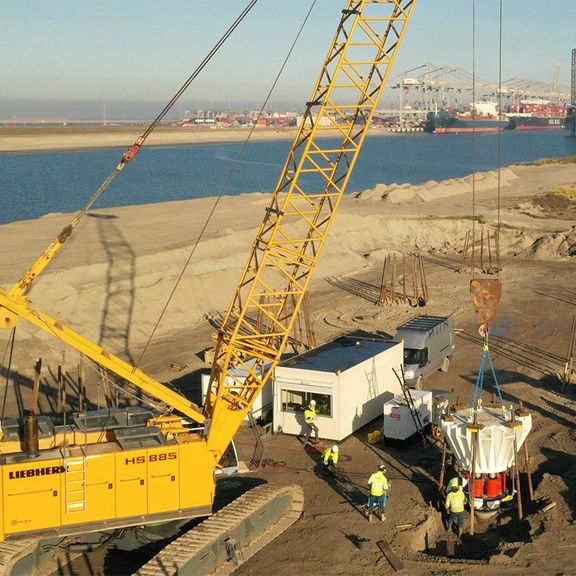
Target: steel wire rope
column 129, row 155
column 135, row 148
column 479, row 386
column 231, row 172
column 479, row 389
column 499, row 147
column 499, row 138
column 473, row 138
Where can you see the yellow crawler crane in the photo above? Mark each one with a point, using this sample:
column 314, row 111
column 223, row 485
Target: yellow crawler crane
column 131, row 467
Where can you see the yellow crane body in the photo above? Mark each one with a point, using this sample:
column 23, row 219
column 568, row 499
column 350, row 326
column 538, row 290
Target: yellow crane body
column 102, row 486
column 104, row 474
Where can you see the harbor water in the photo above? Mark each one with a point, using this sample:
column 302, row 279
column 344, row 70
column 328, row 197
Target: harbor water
column 35, row 184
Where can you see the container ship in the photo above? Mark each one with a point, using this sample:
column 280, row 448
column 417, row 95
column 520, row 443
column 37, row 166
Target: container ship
column 481, row 117
column 571, row 119
column 536, row 114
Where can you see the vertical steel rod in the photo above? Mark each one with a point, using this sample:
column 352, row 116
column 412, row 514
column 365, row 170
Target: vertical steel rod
column 473, row 471
column 482, row 249
column 36, row 389
column 393, row 289
column 489, row 254
column 442, row 468
column 414, row 283
column 464, row 251
column 404, row 277
column 383, row 282
column 516, row 467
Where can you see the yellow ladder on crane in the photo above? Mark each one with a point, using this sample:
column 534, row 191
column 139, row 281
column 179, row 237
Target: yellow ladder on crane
column 75, row 483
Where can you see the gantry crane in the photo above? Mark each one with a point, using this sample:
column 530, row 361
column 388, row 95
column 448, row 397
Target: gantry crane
column 132, row 467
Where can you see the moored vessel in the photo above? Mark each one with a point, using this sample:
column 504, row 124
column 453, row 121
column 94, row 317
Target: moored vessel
column 480, row 117
column 536, row 114
column 445, row 122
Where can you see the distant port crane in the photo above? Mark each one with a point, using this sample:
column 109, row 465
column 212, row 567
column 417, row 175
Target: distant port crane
column 428, row 86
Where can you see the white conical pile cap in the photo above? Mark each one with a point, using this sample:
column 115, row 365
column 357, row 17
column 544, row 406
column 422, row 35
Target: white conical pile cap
column 496, row 432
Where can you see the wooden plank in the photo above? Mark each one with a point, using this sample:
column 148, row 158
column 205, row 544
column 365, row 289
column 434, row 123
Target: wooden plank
column 450, row 545
column 392, row 558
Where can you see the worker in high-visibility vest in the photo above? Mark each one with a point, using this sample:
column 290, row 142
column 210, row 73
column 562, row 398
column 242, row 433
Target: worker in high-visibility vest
column 456, row 481
column 310, row 419
column 378, row 493
column 331, row 455
column 455, row 507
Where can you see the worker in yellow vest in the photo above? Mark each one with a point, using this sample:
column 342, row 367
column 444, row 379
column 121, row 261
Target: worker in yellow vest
column 455, row 507
column 456, row 481
column 378, row 493
column 330, row 456
column 310, row 419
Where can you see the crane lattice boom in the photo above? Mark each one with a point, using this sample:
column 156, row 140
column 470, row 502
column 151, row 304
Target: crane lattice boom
column 296, row 224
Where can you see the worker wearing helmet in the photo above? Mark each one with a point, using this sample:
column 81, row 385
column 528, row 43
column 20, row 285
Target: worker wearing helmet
column 378, row 493
column 456, row 481
column 330, row 455
column 455, row 507
column 310, row 419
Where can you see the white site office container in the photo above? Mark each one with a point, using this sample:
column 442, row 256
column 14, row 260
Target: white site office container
column 350, row 378
column 398, row 421
column 263, row 401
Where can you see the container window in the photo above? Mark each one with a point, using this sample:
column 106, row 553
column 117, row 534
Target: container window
column 297, row 401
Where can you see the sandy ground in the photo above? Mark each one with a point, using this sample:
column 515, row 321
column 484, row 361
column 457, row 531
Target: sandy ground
column 76, row 137
column 113, row 278
column 27, row 140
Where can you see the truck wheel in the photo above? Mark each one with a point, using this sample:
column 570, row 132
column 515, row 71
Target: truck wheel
column 419, row 382
column 445, row 365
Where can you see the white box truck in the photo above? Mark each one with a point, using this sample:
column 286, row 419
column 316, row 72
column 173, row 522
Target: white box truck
column 428, row 346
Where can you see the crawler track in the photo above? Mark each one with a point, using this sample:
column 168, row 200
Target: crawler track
column 17, row 557
column 232, row 535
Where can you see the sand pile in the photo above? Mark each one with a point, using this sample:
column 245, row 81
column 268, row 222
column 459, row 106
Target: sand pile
column 432, row 190
column 537, row 245
column 555, row 244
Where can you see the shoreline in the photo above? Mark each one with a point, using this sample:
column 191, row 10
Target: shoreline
column 15, row 140
column 258, row 196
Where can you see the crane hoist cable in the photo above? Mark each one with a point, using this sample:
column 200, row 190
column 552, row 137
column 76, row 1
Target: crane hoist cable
column 498, row 219
column 227, row 179
column 127, row 157
column 486, row 293
column 499, row 137
column 473, row 137
column 485, row 328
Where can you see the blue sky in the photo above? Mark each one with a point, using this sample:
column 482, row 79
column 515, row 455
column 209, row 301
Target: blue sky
column 102, row 52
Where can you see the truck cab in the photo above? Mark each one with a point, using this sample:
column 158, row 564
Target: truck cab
column 428, row 346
